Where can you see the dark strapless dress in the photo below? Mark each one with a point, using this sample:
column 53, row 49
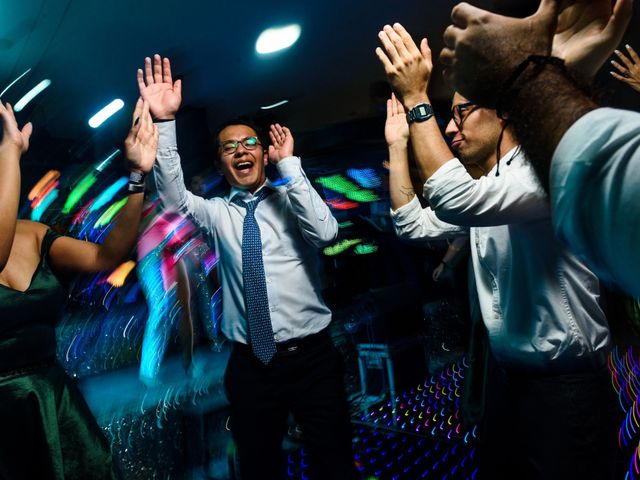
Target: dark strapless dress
column 46, row 428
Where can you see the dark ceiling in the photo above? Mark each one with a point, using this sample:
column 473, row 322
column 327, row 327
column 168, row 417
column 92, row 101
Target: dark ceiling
column 91, row 49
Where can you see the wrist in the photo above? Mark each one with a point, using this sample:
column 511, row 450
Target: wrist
column 399, row 145
column 165, row 117
column 136, row 181
column 10, row 148
column 410, row 101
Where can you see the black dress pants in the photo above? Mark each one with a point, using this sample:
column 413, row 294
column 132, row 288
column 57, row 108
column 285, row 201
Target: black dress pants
column 549, row 427
column 307, row 380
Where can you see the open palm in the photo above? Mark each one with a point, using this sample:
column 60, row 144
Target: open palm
column 158, row 88
column 142, row 141
column 281, row 143
column 12, row 135
column 588, row 31
column 396, row 128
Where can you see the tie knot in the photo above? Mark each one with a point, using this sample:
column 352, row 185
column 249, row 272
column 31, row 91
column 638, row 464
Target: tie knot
column 253, row 203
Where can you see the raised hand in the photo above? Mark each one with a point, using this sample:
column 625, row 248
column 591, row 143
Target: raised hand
column 396, row 128
column 628, row 73
column 158, row 88
column 281, row 143
column 588, row 31
column 482, row 49
column 407, row 67
column 142, row 141
column 13, row 137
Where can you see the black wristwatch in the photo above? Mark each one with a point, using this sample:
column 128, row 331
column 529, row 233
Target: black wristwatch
column 420, row 113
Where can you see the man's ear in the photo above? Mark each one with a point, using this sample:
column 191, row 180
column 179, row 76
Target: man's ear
column 266, row 157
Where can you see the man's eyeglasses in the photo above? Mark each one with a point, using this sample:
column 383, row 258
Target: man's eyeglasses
column 230, row 146
column 460, row 112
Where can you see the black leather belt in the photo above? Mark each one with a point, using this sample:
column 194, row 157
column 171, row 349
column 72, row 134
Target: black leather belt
column 293, row 346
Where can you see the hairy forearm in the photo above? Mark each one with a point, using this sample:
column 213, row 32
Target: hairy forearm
column 122, row 236
column 400, row 187
column 9, row 200
column 541, row 111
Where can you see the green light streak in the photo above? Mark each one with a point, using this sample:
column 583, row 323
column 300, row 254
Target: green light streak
column 365, row 249
column 362, row 196
column 340, row 247
column 111, row 212
column 78, row 192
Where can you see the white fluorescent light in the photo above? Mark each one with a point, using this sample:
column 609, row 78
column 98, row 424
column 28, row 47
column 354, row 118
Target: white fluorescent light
column 99, row 118
column 14, row 82
column 274, row 105
column 107, row 160
column 274, row 39
column 20, row 104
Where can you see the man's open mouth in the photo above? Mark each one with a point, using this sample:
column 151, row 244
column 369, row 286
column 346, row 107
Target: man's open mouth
column 243, row 165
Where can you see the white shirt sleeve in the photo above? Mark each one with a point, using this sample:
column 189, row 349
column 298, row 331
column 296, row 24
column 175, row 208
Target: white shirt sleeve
column 416, row 224
column 513, row 197
column 595, row 191
column 315, row 221
column 169, row 181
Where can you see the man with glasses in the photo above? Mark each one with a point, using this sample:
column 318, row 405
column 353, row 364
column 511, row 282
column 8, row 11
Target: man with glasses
column 539, row 303
column 267, row 236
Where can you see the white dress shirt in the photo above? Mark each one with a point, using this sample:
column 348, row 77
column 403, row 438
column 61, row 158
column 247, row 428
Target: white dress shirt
column 294, row 222
column 595, row 192
column 538, row 301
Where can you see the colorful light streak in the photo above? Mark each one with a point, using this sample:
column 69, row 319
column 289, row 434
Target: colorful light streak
column 340, row 247
column 43, row 194
column 365, row 177
column 110, row 212
column 78, row 192
column 362, row 196
column 44, row 204
column 120, row 274
column 106, row 196
column 342, row 204
column 365, row 249
column 625, row 378
column 48, row 177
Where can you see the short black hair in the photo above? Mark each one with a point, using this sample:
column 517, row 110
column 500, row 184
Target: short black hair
column 260, row 132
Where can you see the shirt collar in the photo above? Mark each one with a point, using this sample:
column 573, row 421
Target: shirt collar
column 245, row 194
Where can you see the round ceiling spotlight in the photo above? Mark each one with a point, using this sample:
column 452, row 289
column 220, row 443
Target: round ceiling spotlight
column 277, row 38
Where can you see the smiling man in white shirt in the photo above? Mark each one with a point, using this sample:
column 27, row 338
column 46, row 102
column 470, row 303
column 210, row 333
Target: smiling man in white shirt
column 539, row 303
column 267, row 236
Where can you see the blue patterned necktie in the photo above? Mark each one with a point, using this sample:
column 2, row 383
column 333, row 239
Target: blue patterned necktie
column 255, row 285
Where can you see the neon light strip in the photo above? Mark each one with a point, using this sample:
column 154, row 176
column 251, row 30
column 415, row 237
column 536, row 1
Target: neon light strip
column 14, row 82
column 31, row 94
column 46, row 178
column 36, row 214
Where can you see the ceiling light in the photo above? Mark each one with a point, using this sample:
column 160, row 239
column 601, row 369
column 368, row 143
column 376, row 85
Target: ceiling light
column 20, row 104
column 14, row 82
column 99, row 118
column 274, row 105
column 274, row 39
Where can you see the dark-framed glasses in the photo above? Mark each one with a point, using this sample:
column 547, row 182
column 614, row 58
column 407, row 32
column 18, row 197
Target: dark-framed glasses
column 460, row 112
column 230, row 146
